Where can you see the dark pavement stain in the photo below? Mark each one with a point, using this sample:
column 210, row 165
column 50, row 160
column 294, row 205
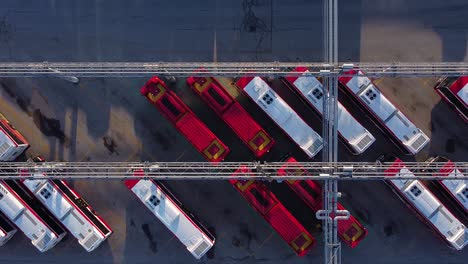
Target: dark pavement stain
column 21, row 102
column 132, row 223
column 162, row 140
column 49, row 126
column 450, row 145
column 153, row 245
column 211, row 253
column 389, row 229
column 364, row 216
column 235, row 241
column 110, row 144
column 244, row 231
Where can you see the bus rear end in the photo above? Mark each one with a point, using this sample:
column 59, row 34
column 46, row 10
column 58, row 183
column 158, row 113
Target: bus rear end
column 274, row 212
column 32, row 219
column 7, row 229
column 184, row 120
column 233, row 114
column 169, row 210
column 12, row 143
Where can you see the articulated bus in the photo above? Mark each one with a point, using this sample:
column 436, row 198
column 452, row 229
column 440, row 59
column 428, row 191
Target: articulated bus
column 29, row 216
column 455, row 92
column 402, row 131
column 184, row 120
column 7, row 229
column 235, row 116
column 171, row 212
column 274, row 212
column 282, row 114
column 456, row 189
column 12, row 143
column 352, row 133
column 351, row 231
column 426, row 205
column 70, row 209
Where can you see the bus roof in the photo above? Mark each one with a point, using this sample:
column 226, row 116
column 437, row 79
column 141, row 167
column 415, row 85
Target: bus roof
column 458, row 188
column 404, row 130
column 282, row 114
column 355, row 135
column 429, row 206
column 460, row 89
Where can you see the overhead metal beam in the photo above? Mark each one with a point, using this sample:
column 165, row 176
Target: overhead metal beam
column 231, row 69
column 222, row 171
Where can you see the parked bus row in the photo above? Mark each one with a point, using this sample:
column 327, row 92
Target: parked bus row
column 429, row 209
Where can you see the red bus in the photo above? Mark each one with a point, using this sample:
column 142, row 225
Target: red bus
column 184, row 120
column 235, row 116
column 351, row 231
column 7, row 229
column 455, row 92
column 274, row 212
column 12, row 143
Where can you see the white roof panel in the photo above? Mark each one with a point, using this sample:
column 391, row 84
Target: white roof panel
column 284, row 116
column 349, row 128
column 172, row 217
column 463, row 94
column 404, row 130
column 458, row 188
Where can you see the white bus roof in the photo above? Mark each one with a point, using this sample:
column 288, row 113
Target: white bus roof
column 40, row 235
column 406, row 132
column 355, row 134
column 52, row 198
column 172, row 217
column 459, row 187
column 284, row 116
column 463, row 94
column 430, row 207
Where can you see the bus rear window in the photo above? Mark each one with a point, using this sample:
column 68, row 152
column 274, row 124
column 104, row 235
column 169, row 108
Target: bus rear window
column 260, row 197
column 309, row 189
column 218, row 98
column 170, row 106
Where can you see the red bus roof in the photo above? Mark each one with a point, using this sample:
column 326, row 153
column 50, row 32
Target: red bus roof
column 180, row 115
column 274, row 212
column 228, row 109
column 292, row 79
column 351, row 231
column 459, row 85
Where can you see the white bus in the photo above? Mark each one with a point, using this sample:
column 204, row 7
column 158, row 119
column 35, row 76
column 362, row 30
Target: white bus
column 12, row 143
column 162, row 203
column 282, row 114
column 71, row 210
column 7, row 229
column 392, row 120
column 427, row 206
column 352, row 133
column 458, row 188
column 29, row 216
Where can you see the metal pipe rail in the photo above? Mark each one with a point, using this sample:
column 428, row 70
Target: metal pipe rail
column 230, row 69
column 222, row 171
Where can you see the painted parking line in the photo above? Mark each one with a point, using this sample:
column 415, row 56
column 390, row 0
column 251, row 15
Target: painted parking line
column 266, row 239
